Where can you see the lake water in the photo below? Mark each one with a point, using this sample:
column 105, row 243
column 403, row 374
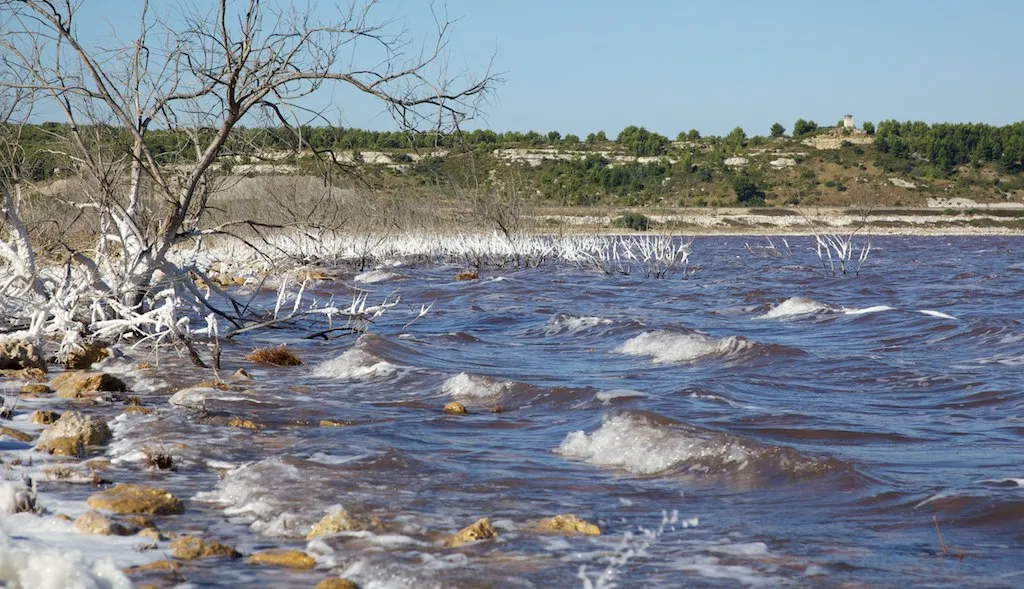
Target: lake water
column 759, row 423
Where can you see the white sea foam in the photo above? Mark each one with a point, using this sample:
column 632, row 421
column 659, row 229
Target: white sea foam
column 471, row 387
column 247, row 493
column 374, row 276
column 196, row 397
column 561, row 323
column 796, row 307
column 938, row 314
column 672, row 347
column 355, row 364
column 30, row 565
column 713, row 567
column 635, row 445
column 866, row 310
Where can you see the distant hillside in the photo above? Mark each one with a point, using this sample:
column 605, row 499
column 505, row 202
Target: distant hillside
column 897, row 165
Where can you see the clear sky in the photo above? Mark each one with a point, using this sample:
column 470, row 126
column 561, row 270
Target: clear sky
column 578, row 66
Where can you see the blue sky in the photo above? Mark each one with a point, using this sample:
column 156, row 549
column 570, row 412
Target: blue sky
column 578, row 66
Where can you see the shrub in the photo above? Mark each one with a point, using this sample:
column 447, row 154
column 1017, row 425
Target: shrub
column 277, row 356
column 634, row 221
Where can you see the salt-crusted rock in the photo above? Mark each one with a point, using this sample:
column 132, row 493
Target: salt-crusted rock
column 454, row 408
column 93, row 522
column 339, row 521
column 86, row 429
column 481, row 529
column 20, row 354
column 567, row 524
column 129, row 498
column 84, row 355
column 336, row 583
column 76, row 385
column 293, row 559
column 192, row 547
column 44, row 416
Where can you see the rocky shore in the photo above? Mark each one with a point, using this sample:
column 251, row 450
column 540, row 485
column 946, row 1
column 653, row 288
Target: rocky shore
column 57, row 433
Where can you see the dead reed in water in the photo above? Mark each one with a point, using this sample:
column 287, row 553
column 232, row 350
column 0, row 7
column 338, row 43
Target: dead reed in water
column 274, row 355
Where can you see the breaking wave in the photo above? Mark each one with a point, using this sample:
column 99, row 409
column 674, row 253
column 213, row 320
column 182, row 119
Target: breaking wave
column 796, row 307
column 356, row 364
column 646, row 444
column 665, row 347
column 562, row 323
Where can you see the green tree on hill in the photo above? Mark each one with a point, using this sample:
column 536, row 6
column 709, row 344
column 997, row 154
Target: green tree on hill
column 748, row 191
column 802, row 127
column 868, row 127
column 640, row 142
column 736, row 138
column 778, row 130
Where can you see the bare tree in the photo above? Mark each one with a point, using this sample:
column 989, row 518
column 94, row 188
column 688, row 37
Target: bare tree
column 201, row 74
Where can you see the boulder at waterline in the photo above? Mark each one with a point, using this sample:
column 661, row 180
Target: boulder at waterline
column 88, row 429
column 20, row 354
column 481, row 529
column 567, row 523
column 14, row 434
column 193, row 547
column 93, row 522
column 454, row 408
column 293, row 559
column 83, row 356
column 339, row 521
column 76, row 385
column 130, row 498
column 44, row 416
column 336, row 583
column 35, row 389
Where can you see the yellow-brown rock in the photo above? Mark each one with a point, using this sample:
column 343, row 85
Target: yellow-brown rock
column 35, row 389
column 76, row 385
column 193, row 547
column 44, row 416
column 336, row 583
column 157, row 565
column 339, row 521
column 93, row 522
column 455, row 408
column 242, row 423
column 29, row 374
column 83, row 356
column 481, row 529
column 10, row 432
column 151, row 534
column 567, row 524
column 334, row 423
column 129, row 498
column 293, row 559
column 20, row 354
column 63, row 447
column 86, row 429
column 136, row 409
